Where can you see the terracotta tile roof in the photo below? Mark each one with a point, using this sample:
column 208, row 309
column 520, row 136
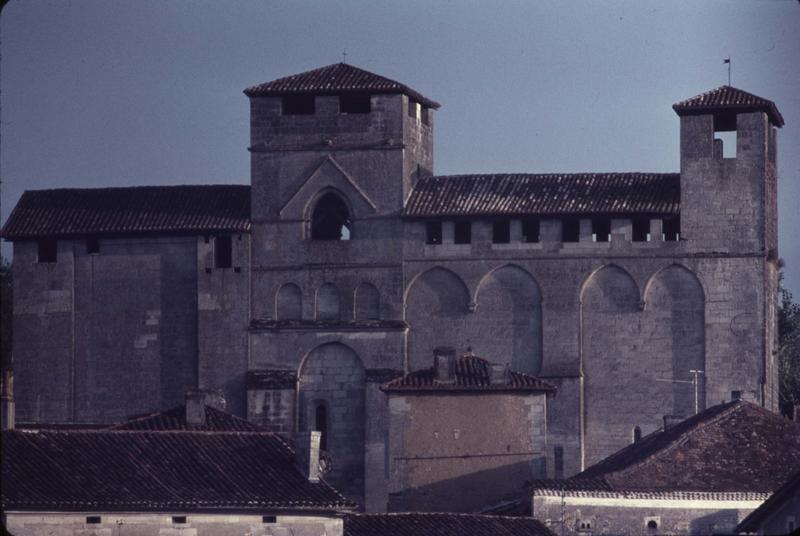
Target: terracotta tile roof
column 712, row 452
column 441, row 524
column 727, row 98
column 271, row 379
column 472, row 374
column 133, row 210
column 175, row 419
column 156, row 471
column 546, row 194
column 782, row 496
column 333, row 79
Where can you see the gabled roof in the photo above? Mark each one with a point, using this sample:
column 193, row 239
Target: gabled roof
column 132, row 210
column 546, row 194
column 728, row 98
column 732, row 448
column 333, row 79
column 175, row 419
column 157, row 471
column 441, row 524
column 471, row 374
column 761, row 514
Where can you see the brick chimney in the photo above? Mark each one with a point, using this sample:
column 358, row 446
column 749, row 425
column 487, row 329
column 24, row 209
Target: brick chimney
column 196, row 402
column 8, row 401
column 498, row 373
column 306, row 454
column 444, row 364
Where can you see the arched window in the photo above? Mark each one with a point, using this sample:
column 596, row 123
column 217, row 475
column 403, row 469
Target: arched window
column 637, row 434
column 321, row 424
column 331, row 219
column 368, row 302
column 289, row 303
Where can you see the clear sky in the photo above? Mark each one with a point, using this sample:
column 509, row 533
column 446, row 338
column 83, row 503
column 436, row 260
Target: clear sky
column 112, row 93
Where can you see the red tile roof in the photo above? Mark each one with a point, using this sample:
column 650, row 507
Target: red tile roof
column 156, row 471
column 728, row 98
column 441, row 524
column 334, row 79
column 472, row 374
column 175, row 419
column 711, row 452
column 132, row 210
column 546, row 194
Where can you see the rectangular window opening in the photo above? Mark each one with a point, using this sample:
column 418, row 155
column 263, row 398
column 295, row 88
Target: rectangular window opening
column 601, row 229
column 558, row 461
column 501, row 232
column 433, row 232
column 412, row 108
column 357, row 103
column 641, row 229
column 298, row 105
column 93, row 520
column 426, row 113
column 728, row 141
column 223, row 251
column 462, row 232
column 570, row 230
column 93, row 246
column 530, row 231
column 671, row 229
column 47, row 250
column 179, row 519
column 269, row 519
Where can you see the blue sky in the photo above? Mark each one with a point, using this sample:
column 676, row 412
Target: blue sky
column 101, row 93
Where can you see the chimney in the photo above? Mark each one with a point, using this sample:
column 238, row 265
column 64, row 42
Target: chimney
column 306, row 454
column 671, row 420
column 196, row 402
column 498, row 373
column 444, row 364
column 8, row 400
column 736, row 396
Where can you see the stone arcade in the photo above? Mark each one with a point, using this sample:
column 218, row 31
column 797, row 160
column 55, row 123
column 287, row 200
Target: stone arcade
column 347, row 261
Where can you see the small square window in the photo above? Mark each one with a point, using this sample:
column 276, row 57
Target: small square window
column 93, row 246
column 433, row 232
column 641, row 229
column 223, row 251
column 601, row 229
column 93, row 520
column 179, row 519
column 570, row 230
column 298, row 105
column 354, row 104
column 501, row 232
column 269, row 519
column 530, row 231
column 47, row 250
column 462, row 232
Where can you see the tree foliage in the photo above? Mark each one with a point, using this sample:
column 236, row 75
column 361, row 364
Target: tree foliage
column 788, row 350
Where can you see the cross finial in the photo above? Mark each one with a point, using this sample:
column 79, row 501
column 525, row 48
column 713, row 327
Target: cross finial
column 344, row 55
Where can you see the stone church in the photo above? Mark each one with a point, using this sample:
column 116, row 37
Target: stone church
column 348, row 266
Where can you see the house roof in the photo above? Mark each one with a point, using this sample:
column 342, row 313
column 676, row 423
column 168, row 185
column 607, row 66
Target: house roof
column 333, row 79
column 175, row 419
column 761, row 514
column 156, row 471
column 710, row 453
column 472, row 373
column 544, row 194
column 441, row 524
column 726, row 98
column 132, row 210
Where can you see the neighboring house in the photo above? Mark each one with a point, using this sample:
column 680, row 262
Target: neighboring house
column 701, row 476
column 463, row 433
column 157, row 482
column 419, row 524
column 346, row 260
column 780, row 514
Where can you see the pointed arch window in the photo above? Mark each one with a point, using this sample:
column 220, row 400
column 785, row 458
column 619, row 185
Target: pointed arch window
column 331, row 219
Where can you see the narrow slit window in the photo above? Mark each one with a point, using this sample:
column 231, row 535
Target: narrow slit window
column 433, row 232
column 93, row 520
column 223, row 251
column 601, row 229
column 321, row 424
column 570, row 230
column 93, row 246
column 530, row 231
column 671, row 229
column 298, row 105
column 462, row 232
column 558, row 461
column 641, row 229
column 501, row 232
column 47, row 250
column 355, row 104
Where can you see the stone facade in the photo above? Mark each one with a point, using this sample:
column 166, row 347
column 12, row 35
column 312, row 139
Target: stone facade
column 618, row 325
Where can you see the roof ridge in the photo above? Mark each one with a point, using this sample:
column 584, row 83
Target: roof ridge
column 137, row 186
column 552, row 174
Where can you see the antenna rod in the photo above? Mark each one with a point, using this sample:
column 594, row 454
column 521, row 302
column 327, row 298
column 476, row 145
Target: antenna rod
column 728, row 62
